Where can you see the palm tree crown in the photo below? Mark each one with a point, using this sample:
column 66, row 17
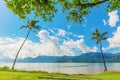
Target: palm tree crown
column 31, row 24
column 99, row 36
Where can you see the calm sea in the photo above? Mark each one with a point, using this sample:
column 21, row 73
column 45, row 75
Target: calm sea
column 67, row 68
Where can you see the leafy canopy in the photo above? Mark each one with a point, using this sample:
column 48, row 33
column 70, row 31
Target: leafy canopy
column 43, row 8
column 76, row 9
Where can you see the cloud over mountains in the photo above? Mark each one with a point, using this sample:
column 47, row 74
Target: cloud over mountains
column 48, row 45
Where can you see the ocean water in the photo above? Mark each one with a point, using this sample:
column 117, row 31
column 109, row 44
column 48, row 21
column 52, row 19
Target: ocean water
column 66, row 68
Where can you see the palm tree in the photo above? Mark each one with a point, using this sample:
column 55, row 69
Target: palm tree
column 31, row 25
column 99, row 37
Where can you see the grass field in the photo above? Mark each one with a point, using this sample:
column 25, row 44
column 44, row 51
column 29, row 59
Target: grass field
column 33, row 75
column 7, row 74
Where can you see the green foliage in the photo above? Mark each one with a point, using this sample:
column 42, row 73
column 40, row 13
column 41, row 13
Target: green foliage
column 4, row 68
column 31, row 24
column 113, row 5
column 26, row 75
column 99, row 36
column 76, row 9
column 43, row 8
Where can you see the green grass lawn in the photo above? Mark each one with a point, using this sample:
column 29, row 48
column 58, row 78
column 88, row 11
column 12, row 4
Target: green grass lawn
column 7, row 74
column 32, row 75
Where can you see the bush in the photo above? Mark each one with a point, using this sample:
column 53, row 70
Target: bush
column 4, row 68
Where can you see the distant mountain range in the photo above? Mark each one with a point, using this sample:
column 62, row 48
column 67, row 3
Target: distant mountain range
column 86, row 57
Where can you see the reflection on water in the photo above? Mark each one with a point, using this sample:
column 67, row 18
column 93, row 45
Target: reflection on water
column 67, row 68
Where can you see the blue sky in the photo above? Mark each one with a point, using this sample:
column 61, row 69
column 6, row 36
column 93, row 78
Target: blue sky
column 59, row 37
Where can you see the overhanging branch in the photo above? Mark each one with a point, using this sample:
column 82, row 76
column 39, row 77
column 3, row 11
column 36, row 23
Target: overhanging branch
column 92, row 4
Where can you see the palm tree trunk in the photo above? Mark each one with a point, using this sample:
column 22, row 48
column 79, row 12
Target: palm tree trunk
column 103, row 56
column 20, row 49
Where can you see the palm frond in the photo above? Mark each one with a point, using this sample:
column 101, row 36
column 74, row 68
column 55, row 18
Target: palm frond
column 24, row 27
column 104, row 38
column 98, row 36
column 34, row 31
column 97, row 41
column 103, row 34
column 37, row 27
column 94, row 33
column 29, row 22
column 97, row 31
column 33, row 22
column 94, row 38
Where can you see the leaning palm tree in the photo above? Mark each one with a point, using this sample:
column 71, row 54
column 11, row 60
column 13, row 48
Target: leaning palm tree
column 99, row 37
column 31, row 25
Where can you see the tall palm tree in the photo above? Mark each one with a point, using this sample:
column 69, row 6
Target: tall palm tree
column 31, row 25
column 99, row 37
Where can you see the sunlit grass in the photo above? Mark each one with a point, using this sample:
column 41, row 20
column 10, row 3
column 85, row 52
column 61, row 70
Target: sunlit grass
column 8, row 74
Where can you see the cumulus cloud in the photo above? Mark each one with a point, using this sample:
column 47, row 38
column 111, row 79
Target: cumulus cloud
column 45, row 37
column 48, row 45
column 113, row 18
column 79, row 44
column 9, row 46
column 61, row 32
column 115, row 40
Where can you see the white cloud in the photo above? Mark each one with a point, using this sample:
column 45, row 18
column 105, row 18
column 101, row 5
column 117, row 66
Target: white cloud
column 8, row 46
column 94, row 49
column 47, row 45
column 45, row 37
column 80, row 36
column 115, row 40
column 104, row 22
column 113, row 18
column 65, row 34
column 75, row 35
column 61, row 32
column 79, row 44
column 51, row 30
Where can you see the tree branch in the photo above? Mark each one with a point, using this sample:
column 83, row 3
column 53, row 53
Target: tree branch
column 92, row 4
column 38, row 1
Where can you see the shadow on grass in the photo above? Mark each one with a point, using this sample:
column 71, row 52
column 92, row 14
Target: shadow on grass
column 63, row 78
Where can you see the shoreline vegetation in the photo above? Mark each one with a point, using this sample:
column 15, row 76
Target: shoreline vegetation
column 6, row 73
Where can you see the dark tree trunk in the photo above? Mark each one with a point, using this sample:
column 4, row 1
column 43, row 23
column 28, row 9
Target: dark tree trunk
column 20, row 49
column 103, row 56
